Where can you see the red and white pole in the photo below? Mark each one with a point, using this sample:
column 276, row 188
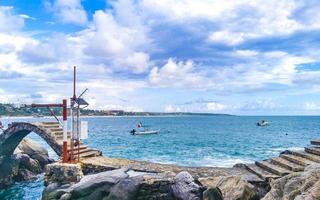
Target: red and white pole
column 65, row 132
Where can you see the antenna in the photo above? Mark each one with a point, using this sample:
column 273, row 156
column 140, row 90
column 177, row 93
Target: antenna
column 74, row 81
column 83, row 93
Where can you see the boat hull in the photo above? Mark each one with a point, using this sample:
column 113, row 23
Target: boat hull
column 145, row 132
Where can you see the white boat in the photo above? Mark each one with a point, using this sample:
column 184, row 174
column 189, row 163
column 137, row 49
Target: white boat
column 263, row 123
column 147, row 132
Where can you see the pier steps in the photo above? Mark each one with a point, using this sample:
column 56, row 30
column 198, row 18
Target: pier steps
column 313, row 150
column 297, row 159
column 56, row 132
column 265, row 175
column 272, row 168
column 286, row 163
column 307, row 155
column 315, row 142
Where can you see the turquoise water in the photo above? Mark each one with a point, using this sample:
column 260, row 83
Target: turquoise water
column 191, row 140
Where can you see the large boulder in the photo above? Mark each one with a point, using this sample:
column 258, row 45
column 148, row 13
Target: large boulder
column 186, row 188
column 34, row 150
column 100, row 183
column 27, row 161
column 28, row 167
column 297, row 186
column 232, row 187
column 62, row 173
column 117, row 184
column 95, row 186
column 126, row 189
column 156, row 186
column 9, row 169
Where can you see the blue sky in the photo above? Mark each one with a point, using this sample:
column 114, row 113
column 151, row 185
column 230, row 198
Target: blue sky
column 238, row 57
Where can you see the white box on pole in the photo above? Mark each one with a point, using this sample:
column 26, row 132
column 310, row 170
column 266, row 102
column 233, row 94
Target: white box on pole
column 84, row 130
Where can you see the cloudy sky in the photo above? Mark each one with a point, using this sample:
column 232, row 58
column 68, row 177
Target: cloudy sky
column 238, row 56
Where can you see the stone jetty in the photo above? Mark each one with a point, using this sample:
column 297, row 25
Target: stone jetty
column 291, row 175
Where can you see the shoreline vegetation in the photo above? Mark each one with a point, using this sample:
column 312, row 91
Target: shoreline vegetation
column 13, row 110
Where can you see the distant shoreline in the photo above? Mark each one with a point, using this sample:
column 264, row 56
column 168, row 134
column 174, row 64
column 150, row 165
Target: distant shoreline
column 144, row 115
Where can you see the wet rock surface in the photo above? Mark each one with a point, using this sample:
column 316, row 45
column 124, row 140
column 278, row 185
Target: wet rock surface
column 26, row 163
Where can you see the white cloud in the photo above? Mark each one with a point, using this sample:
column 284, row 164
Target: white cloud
column 9, row 22
column 117, row 45
column 236, row 21
column 172, row 109
column 198, row 106
column 120, row 107
column 69, row 11
column 24, row 16
column 137, row 62
column 105, row 42
column 178, row 74
column 188, row 9
column 214, row 106
column 226, row 37
column 311, row 106
column 246, row 53
column 120, row 45
column 261, row 104
column 277, row 68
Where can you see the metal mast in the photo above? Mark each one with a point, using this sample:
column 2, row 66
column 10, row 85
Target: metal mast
column 76, row 103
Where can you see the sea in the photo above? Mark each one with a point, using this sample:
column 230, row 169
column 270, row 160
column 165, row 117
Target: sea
column 187, row 140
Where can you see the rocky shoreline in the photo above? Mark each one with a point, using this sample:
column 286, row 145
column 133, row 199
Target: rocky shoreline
column 122, row 179
column 128, row 184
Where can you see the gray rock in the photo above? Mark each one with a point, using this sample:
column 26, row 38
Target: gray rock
column 232, row 187
column 25, row 174
column 62, row 173
column 65, row 196
column 126, row 189
column 102, row 181
column 55, row 191
column 28, row 161
column 297, row 186
column 25, row 162
column 212, row 194
column 156, row 186
column 185, row 187
column 9, row 169
column 34, row 150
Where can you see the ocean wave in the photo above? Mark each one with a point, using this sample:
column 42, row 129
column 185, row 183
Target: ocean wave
column 209, row 161
column 279, row 150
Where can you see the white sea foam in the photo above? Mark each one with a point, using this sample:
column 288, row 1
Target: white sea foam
column 279, row 150
column 209, row 161
column 296, row 148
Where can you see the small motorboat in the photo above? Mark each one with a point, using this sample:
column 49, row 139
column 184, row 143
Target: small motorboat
column 263, row 123
column 145, row 132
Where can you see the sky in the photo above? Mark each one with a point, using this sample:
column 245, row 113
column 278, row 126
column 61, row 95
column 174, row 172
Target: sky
column 240, row 57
